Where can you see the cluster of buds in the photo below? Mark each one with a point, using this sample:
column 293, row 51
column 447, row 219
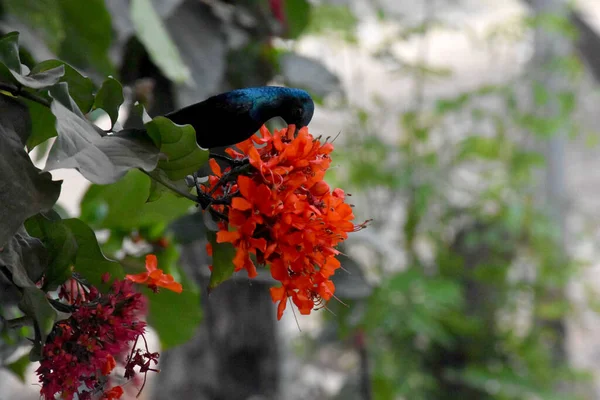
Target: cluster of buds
column 82, row 351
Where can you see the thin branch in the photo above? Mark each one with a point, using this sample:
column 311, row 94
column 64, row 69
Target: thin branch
column 171, row 187
column 18, row 91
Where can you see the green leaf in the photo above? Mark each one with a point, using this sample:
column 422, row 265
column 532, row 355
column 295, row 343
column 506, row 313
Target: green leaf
column 100, row 159
column 157, row 189
column 9, row 52
column 89, row 260
column 43, row 124
column 25, row 257
column 62, row 248
column 326, row 18
column 123, row 205
column 298, row 16
column 222, row 261
column 479, row 147
column 109, row 98
column 19, row 367
column 35, row 304
column 175, row 317
column 44, row 16
column 89, row 33
column 178, row 143
column 81, row 88
column 151, row 31
column 25, row 191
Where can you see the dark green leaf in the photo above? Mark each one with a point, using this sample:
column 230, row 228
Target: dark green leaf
column 89, row 34
column 151, row 32
column 178, row 143
column 89, row 261
column 19, row 367
column 24, row 190
column 123, row 205
column 35, row 304
column 109, row 98
column 61, row 245
column 43, row 124
column 81, row 88
column 9, row 52
column 25, row 257
column 100, row 159
column 222, row 261
column 298, row 16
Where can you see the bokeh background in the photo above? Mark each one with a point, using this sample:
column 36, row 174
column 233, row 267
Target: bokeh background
column 466, row 129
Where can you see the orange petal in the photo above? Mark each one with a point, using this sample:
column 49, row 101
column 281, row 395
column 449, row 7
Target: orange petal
column 239, row 203
column 227, row 236
column 139, row 278
column 246, row 186
column 151, row 262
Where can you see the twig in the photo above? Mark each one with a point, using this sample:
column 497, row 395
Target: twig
column 171, row 187
column 18, row 91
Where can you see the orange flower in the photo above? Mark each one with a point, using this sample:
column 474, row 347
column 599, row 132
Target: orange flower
column 283, row 212
column 109, row 365
column 113, row 394
column 155, row 277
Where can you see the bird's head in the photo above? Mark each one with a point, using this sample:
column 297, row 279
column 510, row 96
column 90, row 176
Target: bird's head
column 297, row 108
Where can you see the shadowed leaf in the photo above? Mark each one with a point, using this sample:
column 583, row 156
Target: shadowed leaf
column 61, row 245
column 89, row 260
column 222, row 261
column 24, row 191
column 25, row 257
column 35, row 304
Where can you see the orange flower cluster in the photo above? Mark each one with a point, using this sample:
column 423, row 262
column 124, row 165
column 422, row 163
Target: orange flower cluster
column 284, row 214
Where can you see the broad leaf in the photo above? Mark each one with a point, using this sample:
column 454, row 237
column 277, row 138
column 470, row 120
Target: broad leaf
column 24, row 190
column 109, row 98
column 43, row 124
column 151, row 32
column 178, row 143
column 122, row 205
column 35, row 304
column 81, row 88
column 25, row 257
column 89, row 261
column 158, row 189
column 100, row 159
column 62, row 248
column 222, row 261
